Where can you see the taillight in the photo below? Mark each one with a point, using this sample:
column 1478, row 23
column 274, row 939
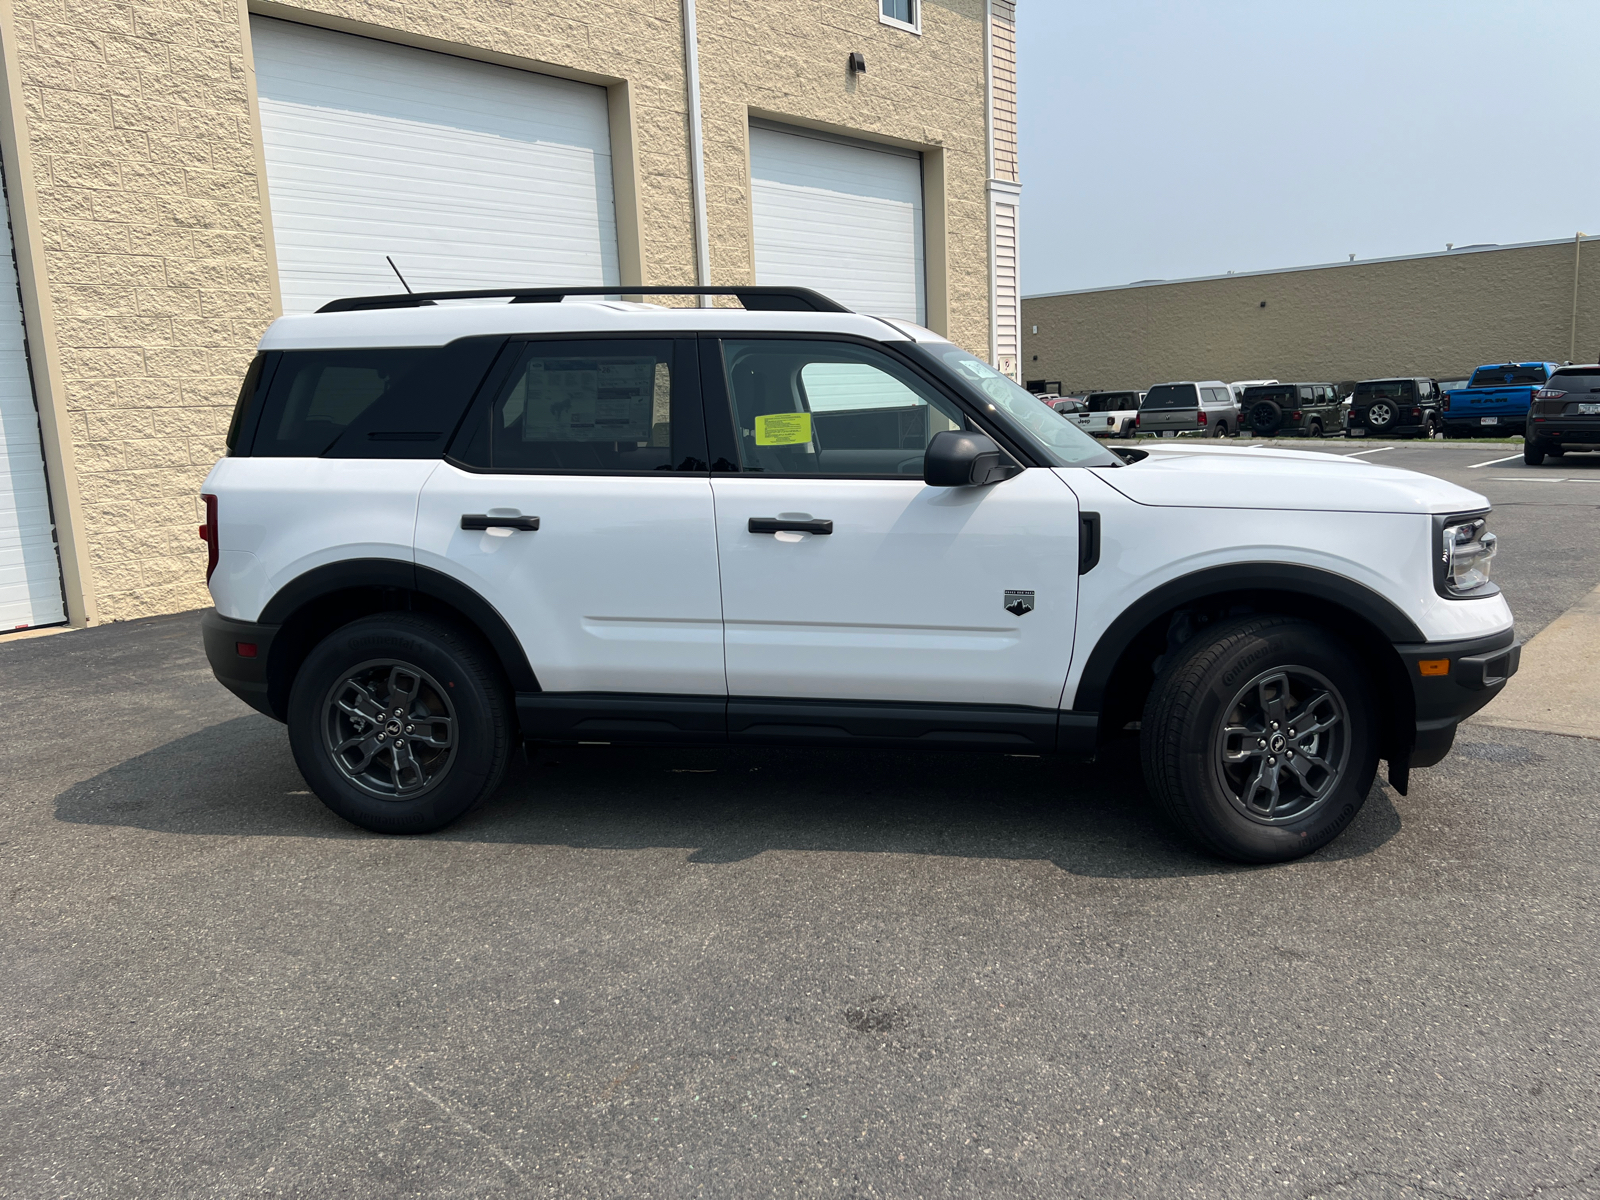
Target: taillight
column 1548, row 394
column 1135, row 420
column 1202, row 416
column 1416, row 412
column 1296, row 417
column 208, row 534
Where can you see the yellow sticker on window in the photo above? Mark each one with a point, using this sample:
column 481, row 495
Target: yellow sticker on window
column 783, row 429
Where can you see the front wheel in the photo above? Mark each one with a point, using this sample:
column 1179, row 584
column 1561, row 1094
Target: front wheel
column 400, row 723
column 1258, row 740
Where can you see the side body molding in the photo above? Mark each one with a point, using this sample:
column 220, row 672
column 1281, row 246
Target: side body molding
column 364, row 574
column 1239, row 581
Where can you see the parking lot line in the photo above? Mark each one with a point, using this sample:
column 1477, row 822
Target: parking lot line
column 1531, row 479
column 1492, row 461
column 1374, row 450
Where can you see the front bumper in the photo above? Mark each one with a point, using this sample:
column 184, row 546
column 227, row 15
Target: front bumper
column 228, row 649
column 1461, row 678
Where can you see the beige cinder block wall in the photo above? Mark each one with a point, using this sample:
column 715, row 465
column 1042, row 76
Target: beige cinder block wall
column 140, row 124
column 1438, row 314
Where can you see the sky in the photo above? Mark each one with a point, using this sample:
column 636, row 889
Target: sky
column 1163, row 139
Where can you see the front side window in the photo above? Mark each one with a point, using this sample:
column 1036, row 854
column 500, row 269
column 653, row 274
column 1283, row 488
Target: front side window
column 832, row 408
column 899, row 12
column 603, row 406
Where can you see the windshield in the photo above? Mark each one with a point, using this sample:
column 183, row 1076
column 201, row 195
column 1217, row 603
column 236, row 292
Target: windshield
column 1171, row 395
column 1507, row 376
column 1053, row 438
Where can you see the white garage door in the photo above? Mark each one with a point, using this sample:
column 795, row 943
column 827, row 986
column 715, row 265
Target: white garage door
column 468, row 175
column 842, row 217
column 30, row 572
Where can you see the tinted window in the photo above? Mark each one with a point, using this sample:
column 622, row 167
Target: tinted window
column 247, row 395
column 1305, row 392
column 316, row 394
column 1385, row 389
column 1508, row 376
column 605, row 406
column 1575, row 381
column 832, row 408
column 1114, row 402
column 1171, row 395
column 1254, row 394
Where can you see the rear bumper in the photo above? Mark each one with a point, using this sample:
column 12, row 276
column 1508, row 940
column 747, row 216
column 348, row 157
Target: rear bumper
column 1473, row 674
column 227, row 644
column 1567, row 431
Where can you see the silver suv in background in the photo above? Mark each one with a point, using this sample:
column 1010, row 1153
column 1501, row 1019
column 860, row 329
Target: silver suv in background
column 1109, row 414
column 1206, row 407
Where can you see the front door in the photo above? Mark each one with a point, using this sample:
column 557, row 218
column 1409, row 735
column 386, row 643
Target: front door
column 578, row 504
column 913, row 593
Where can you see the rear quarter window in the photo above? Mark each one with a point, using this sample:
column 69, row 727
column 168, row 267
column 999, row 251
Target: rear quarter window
column 389, row 402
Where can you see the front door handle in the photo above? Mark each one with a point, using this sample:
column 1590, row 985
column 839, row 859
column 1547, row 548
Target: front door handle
column 780, row 524
column 484, row 521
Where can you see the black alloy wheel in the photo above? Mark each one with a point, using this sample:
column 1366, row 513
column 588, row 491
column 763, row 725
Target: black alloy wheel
column 1257, row 738
column 400, row 722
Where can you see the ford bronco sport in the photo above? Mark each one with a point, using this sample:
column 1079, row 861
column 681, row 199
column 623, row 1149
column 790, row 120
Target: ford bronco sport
column 447, row 522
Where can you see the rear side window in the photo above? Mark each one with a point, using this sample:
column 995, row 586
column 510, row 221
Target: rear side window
column 247, row 396
column 388, row 402
column 1305, row 393
column 1506, row 376
column 1172, row 395
column 601, row 406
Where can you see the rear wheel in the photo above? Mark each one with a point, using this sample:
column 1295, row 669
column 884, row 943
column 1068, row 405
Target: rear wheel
column 1220, row 429
column 1314, row 429
column 400, row 723
column 1258, row 740
column 1532, row 453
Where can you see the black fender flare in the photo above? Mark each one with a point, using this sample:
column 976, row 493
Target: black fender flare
column 1326, row 587
column 363, row 573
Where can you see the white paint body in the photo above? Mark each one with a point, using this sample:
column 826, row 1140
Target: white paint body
column 646, row 583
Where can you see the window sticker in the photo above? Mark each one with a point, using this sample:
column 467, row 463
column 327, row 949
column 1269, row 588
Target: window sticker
column 783, row 429
column 612, row 400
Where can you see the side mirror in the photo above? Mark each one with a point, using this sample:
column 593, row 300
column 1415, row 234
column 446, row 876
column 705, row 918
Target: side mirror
column 959, row 459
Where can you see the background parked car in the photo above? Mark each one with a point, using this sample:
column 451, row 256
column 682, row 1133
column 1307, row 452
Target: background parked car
column 1495, row 401
column 1110, row 414
column 1395, row 408
column 1565, row 415
column 1238, row 386
column 1068, row 406
column 1206, row 407
column 1292, row 409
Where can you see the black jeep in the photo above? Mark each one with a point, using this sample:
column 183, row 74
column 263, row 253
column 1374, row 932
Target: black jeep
column 1395, row 408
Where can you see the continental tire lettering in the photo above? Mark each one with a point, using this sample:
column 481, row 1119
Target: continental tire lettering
column 1239, row 667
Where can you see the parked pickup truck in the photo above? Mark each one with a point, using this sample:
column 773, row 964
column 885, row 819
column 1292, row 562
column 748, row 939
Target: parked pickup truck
column 1495, row 401
column 1206, row 408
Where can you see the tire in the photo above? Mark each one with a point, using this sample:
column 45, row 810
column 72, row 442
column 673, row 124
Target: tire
column 1314, row 429
column 1532, row 453
column 1220, row 429
column 1381, row 415
column 1231, row 671
column 1266, row 418
column 460, row 723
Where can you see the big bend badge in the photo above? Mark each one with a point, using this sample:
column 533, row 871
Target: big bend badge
column 1019, row 604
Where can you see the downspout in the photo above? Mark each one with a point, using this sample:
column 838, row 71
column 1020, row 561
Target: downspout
column 988, row 172
column 697, row 155
column 1577, row 251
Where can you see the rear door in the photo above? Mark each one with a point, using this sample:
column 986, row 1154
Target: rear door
column 844, row 576
column 577, row 501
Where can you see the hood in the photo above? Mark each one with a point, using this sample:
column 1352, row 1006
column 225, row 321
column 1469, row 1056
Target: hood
column 1224, row 477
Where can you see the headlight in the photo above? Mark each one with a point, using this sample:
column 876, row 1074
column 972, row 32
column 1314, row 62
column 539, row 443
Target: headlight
column 1465, row 548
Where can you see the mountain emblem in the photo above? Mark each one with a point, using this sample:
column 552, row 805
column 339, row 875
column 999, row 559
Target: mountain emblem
column 1018, row 604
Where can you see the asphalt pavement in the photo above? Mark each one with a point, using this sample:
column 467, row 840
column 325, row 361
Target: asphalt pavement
column 737, row 973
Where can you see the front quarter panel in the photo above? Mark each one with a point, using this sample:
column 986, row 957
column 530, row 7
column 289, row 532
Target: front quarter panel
column 1145, row 546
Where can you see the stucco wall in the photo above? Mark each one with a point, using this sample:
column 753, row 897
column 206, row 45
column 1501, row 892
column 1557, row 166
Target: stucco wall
column 1439, row 315
column 157, row 247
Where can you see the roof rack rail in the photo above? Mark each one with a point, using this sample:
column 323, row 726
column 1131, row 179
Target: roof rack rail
column 756, row 299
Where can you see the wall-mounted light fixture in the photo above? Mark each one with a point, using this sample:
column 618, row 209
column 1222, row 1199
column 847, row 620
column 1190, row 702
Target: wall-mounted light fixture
column 858, row 63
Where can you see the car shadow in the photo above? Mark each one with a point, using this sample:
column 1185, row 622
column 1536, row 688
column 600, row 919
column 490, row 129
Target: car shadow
column 238, row 779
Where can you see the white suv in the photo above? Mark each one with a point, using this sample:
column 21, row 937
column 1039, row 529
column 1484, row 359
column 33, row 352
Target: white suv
column 447, row 522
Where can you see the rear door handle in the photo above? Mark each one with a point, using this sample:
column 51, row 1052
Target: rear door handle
column 484, row 521
column 777, row 524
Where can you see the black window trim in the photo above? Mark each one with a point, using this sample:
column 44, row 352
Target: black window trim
column 722, row 428
column 506, row 361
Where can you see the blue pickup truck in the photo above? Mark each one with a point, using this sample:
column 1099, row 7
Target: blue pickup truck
column 1495, row 401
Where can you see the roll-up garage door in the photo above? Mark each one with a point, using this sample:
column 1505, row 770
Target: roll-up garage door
column 30, row 571
column 466, row 174
column 840, row 216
